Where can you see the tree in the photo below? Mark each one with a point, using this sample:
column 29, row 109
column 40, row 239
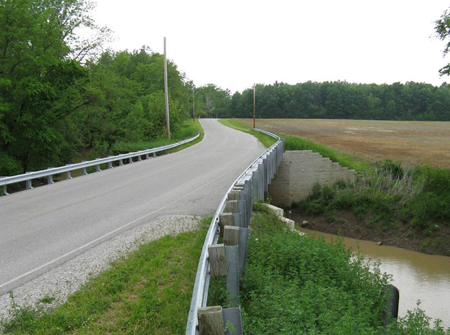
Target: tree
column 442, row 28
column 41, row 79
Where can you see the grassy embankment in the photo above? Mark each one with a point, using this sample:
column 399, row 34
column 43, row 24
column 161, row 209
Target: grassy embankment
column 148, row 292
column 266, row 140
column 387, row 199
column 300, row 285
column 190, row 128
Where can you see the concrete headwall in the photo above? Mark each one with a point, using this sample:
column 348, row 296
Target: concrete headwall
column 299, row 171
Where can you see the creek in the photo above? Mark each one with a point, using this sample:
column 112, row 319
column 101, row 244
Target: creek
column 417, row 276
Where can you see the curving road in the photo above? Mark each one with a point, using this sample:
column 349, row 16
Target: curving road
column 43, row 228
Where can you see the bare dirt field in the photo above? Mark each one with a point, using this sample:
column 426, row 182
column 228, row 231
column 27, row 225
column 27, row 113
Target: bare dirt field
column 411, row 142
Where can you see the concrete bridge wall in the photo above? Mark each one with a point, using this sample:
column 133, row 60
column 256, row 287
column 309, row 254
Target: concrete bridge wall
column 299, row 171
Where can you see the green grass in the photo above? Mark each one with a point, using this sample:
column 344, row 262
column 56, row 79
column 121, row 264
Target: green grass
column 266, row 140
column 190, row 128
column 297, row 143
column 299, row 285
column 149, row 292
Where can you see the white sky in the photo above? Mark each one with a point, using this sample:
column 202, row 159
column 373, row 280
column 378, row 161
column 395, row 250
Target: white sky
column 235, row 44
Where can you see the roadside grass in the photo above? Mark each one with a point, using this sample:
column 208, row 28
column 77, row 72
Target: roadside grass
column 193, row 127
column 266, row 140
column 297, row 143
column 301, row 285
column 189, row 128
column 149, row 292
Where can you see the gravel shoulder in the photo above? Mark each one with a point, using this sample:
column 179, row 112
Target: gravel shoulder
column 64, row 280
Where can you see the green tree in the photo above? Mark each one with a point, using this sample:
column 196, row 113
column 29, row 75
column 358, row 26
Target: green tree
column 442, row 28
column 40, row 78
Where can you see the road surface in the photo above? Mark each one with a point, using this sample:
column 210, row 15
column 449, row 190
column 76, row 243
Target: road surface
column 43, row 228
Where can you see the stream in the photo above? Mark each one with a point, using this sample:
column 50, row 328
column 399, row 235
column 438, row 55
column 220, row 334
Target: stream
column 417, row 276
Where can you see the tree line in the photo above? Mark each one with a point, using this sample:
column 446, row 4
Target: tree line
column 334, row 100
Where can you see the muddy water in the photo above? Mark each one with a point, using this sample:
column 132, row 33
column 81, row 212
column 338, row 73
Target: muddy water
column 417, row 276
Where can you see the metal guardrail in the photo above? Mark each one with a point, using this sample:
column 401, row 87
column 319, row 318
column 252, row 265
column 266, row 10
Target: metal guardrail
column 253, row 182
column 50, row 172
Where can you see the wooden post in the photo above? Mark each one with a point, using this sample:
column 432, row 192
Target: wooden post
column 233, row 195
column 231, row 206
column 225, row 219
column 254, row 106
column 217, row 260
column 210, row 320
column 231, row 235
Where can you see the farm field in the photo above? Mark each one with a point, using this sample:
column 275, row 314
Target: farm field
column 411, row 142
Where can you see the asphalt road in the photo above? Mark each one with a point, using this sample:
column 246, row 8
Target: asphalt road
column 42, row 228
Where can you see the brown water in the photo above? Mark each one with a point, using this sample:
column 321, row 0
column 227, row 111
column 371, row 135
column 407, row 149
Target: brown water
column 417, row 276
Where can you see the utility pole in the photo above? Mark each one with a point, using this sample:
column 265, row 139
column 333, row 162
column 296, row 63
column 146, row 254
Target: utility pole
column 166, row 90
column 254, row 106
column 193, row 103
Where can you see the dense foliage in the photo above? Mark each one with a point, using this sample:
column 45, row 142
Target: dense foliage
column 300, row 285
column 59, row 94
column 342, row 100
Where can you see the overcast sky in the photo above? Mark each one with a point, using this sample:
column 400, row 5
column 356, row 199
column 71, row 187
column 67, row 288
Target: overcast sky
column 235, row 44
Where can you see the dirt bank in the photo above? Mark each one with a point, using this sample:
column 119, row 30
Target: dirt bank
column 436, row 241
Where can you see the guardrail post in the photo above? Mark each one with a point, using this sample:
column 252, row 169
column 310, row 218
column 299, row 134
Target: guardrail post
column 68, row 175
column 120, row 162
column 231, row 235
column 85, row 172
column 29, row 185
column 50, row 180
column 243, row 247
column 232, row 206
column 232, row 261
column 225, row 219
column 154, row 155
column 217, row 260
column 5, row 190
column 97, row 168
column 210, row 320
column 146, row 156
column 110, row 166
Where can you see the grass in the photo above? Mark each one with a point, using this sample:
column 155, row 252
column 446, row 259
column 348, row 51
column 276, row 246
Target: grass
column 190, row 128
column 266, row 140
column 297, row 143
column 148, row 292
column 300, row 285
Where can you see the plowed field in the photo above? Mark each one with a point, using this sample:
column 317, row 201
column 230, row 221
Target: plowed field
column 411, row 142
